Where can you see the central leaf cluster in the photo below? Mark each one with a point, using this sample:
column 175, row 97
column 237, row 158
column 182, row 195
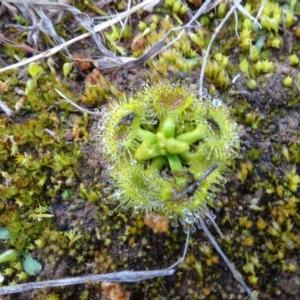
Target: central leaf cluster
column 163, row 146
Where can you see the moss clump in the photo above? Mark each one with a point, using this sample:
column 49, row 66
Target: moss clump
column 161, row 141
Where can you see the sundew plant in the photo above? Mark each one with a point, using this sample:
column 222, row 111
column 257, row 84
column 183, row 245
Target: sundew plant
column 159, row 142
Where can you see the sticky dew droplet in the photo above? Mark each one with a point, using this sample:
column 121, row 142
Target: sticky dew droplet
column 133, row 162
column 153, row 122
column 193, row 228
column 217, row 202
column 199, row 226
column 175, row 224
column 136, row 210
column 186, row 229
column 107, row 190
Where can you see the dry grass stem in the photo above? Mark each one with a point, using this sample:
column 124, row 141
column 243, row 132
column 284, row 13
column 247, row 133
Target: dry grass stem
column 6, row 109
column 130, row 63
column 95, row 29
column 11, row 8
column 81, row 109
column 230, row 12
column 237, row 5
column 123, row 276
column 215, row 225
column 235, row 273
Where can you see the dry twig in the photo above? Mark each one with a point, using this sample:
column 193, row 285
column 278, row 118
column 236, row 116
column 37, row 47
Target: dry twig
column 95, row 29
column 235, row 273
column 6, row 109
column 237, row 5
column 83, row 110
column 123, row 276
column 231, row 11
column 191, row 188
column 130, row 63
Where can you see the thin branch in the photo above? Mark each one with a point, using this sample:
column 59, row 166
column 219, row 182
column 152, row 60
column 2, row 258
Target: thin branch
column 231, row 11
column 124, row 276
column 215, row 225
column 126, row 21
column 235, row 273
column 244, row 11
column 83, row 110
column 190, row 189
column 236, row 24
column 6, row 109
column 130, row 63
column 11, row 8
column 260, row 9
column 184, row 252
column 97, row 28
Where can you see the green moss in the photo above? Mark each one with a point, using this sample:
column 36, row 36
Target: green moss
column 43, row 174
